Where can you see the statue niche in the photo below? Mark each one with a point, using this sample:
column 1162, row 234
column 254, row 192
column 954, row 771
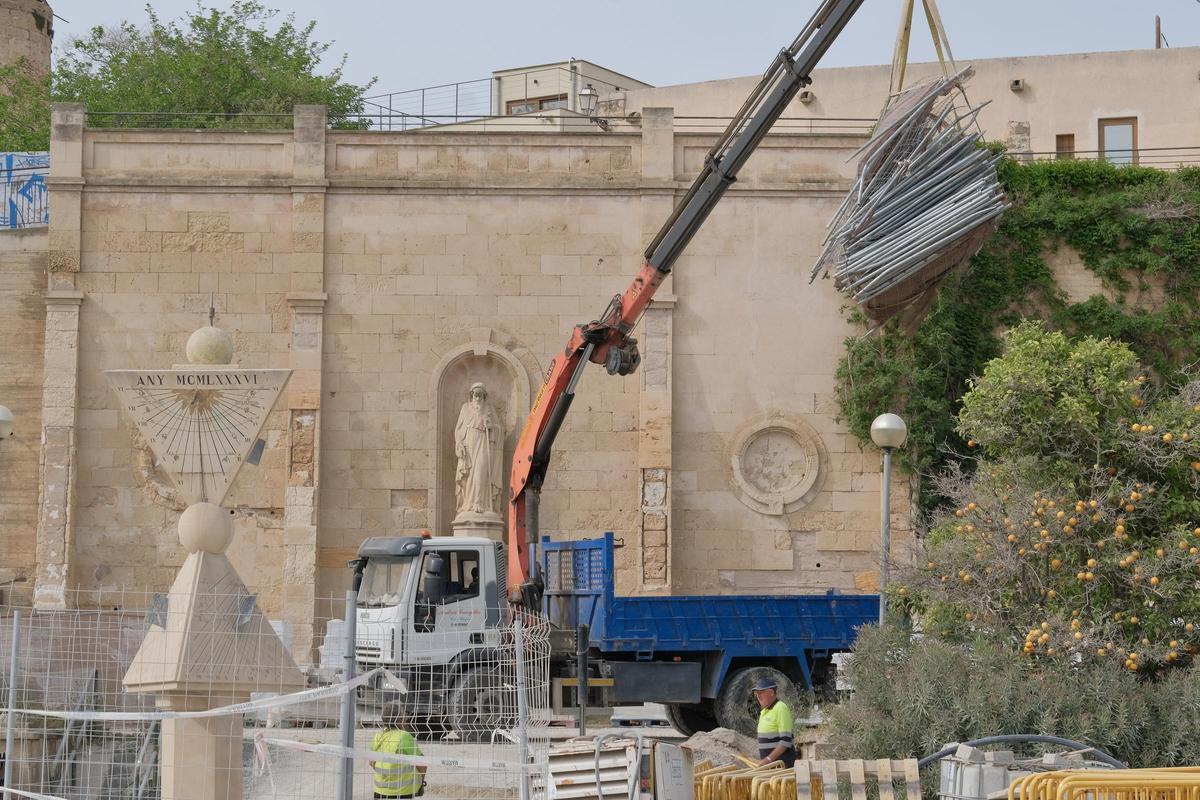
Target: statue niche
column 481, row 392
column 479, row 454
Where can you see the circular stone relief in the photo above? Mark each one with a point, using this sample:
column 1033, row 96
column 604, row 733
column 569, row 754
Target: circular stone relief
column 776, row 465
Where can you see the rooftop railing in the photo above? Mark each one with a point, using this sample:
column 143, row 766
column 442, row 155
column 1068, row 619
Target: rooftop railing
column 516, row 93
column 1168, row 158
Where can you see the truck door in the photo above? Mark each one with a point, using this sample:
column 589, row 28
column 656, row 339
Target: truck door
column 449, row 608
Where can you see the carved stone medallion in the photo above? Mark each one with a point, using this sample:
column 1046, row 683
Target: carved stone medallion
column 776, row 464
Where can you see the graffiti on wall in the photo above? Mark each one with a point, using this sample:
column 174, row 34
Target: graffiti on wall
column 24, row 202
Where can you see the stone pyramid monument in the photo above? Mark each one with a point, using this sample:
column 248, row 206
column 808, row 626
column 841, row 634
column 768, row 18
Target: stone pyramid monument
column 208, row 644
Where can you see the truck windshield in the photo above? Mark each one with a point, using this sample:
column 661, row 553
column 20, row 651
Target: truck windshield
column 384, row 580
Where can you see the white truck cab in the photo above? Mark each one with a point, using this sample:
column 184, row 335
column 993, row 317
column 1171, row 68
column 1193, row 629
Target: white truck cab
column 430, row 611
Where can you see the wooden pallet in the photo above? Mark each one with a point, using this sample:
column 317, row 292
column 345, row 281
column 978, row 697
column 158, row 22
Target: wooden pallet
column 820, row 778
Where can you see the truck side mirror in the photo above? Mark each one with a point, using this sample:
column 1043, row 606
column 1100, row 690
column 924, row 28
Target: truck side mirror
column 434, row 585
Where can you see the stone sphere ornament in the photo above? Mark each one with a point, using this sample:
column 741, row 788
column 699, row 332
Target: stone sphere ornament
column 210, row 346
column 205, row 527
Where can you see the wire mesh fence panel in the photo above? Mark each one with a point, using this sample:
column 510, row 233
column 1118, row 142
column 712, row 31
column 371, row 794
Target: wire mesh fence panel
column 196, row 694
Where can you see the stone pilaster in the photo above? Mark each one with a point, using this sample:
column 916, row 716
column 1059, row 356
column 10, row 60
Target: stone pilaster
column 654, row 411
column 300, row 512
column 307, row 303
column 658, row 144
column 58, row 464
column 58, row 461
column 65, row 183
column 307, row 258
column 654, row 445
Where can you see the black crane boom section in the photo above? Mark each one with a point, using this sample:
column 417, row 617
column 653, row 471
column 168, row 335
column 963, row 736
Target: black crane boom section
column 784, row 78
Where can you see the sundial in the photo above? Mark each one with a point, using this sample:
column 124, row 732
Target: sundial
column 200, row 421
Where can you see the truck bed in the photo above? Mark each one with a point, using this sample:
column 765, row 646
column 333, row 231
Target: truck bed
column 579, row 589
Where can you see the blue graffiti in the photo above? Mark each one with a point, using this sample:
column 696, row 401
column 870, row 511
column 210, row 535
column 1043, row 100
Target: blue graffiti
column 24, row 202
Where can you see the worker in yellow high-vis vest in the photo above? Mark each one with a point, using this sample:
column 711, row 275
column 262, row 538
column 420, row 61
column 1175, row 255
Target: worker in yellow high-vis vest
column 392, row 778
column 775, row 732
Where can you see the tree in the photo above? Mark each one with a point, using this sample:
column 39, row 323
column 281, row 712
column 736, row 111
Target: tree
column 209, row 65
column 1076, row 537
column 1057, row 593
column 24, row 110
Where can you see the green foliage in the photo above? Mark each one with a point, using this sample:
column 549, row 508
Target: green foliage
column 1050, row 398
column 212, row 63
column 24, row 110
column 1076, row 536
column 1057, row 594
column 913, row 696
column 1135, row 228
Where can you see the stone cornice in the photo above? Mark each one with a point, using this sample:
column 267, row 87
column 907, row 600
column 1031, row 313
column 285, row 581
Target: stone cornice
column 307, row 302
column 64, row 297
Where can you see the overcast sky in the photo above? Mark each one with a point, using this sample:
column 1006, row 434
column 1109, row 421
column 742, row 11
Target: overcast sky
column 410, row 45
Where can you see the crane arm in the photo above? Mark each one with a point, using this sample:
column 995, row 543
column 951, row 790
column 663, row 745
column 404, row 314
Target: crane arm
column 607, row 340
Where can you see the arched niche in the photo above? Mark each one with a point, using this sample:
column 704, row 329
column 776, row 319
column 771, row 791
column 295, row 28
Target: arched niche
column 508, row 383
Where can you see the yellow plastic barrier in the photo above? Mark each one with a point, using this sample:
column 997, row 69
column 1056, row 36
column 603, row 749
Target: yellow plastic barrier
column 1176, row 783
column 816, row 780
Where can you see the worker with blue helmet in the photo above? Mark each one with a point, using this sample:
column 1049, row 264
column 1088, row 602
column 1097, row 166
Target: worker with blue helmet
column 775, row 731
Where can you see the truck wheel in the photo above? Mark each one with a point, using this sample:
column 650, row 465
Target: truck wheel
column 691, row 718
column 480, row 704
column 738, row 710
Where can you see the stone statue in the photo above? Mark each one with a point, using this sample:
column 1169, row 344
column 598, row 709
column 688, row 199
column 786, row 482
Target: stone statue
column 479, row 446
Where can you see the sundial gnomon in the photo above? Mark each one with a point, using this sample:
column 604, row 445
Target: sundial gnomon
column 201, row 422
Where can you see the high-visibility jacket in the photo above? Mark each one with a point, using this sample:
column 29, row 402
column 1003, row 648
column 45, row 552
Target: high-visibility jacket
column 393, row 779
column 775, row 729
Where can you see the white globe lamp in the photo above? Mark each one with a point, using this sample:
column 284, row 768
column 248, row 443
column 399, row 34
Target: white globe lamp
column 888, row 432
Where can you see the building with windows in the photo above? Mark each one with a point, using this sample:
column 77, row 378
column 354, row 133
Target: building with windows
column 524, row 90
column 392, row 269
column 1135, row 106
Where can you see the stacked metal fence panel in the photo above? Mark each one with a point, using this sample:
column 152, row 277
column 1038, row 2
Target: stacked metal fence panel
column 926, row 198
column 24, row 202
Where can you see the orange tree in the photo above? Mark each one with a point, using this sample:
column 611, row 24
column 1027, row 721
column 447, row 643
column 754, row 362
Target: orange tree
column 1077, row 537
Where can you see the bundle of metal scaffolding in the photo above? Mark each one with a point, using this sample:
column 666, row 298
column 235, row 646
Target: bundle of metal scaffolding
column 925, row 199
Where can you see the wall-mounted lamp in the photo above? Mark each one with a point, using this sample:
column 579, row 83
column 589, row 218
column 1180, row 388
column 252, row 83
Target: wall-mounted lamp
column 6, row 423
column 589, row 100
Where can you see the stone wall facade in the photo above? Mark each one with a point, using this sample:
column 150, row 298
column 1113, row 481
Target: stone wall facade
column 22, row 329
column 387, row 268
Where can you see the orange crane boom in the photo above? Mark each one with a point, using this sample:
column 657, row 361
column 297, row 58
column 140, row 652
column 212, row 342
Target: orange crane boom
column 607, row 340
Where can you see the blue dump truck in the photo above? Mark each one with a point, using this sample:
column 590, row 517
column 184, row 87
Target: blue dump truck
column 698, row 655
column 433, row 611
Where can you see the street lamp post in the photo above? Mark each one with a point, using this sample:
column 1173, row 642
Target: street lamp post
column 888, row 432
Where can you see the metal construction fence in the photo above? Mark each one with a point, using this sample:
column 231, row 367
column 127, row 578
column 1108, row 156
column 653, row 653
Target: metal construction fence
column 75, row 727
column 24, row 202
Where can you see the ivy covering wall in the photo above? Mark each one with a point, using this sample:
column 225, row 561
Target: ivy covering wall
column 1137, row 229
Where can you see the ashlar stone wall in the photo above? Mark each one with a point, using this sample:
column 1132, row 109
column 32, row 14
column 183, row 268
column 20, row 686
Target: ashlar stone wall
column 373, row 264
column 22, row 329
